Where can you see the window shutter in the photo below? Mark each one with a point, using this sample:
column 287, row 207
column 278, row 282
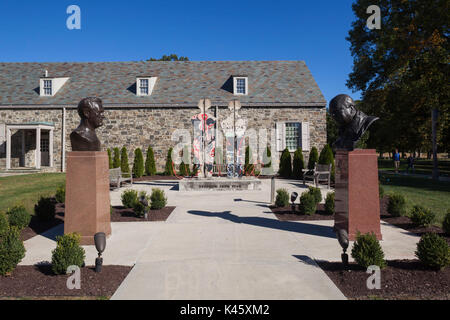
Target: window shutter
column 305, row 136
column 281, row 140
column 2, row 138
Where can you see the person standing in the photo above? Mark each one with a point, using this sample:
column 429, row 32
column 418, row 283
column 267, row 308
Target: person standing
column 396, row 160
column 410, row 163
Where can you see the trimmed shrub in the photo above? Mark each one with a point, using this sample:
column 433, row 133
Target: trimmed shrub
column 168, row 169
column 139, row 208
column 138, row 163
column 12, row 250
column 18, row 217
column 124, row 166
column 184, row 169
column 110, row 160
column 327, row 157
column 446, row 223
column 313, row 158
column 308, row 204
column 4, row 224
column 298, row 164
column 433, row 251
column 60, row 194
column 68, row 252
column 421, row 217
column 380, row 191
column 45, row 209
column 116, row 159
column 315, row 192
column 150, row 166
column 129, row 198
column 285, row 164
column 367, row 251
column 158, row 199
column 396, row 205
column 282, row 198
column 248, row 166
column 329, row 203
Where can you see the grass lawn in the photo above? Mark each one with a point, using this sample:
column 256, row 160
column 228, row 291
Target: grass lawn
column 26, row 189
column 434, row 195
column 421, row 166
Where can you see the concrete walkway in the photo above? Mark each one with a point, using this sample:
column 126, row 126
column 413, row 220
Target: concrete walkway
column 222, row 245
column 226, row 245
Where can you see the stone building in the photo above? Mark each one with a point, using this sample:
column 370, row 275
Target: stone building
column 146, row 101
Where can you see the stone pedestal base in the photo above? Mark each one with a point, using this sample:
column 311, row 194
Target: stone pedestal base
column 357, row 203
column 87, row 208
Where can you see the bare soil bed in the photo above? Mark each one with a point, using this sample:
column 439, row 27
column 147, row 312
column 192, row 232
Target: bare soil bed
column 39, row 281
column 122, row 214
column 286, row 214
column 37, row 227
column 400, row 280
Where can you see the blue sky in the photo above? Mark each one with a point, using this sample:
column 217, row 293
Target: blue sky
column 313, row 31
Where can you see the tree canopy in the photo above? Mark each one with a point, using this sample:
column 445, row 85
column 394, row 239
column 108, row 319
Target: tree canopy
column 170, row 57
column 402, row 70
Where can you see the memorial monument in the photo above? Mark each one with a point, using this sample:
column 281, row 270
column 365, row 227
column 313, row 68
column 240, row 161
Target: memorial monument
column 357, row 205
column 87, row 204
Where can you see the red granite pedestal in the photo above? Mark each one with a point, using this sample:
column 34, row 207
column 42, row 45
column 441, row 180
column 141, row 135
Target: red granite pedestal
column 357, row 203
column 87, row 207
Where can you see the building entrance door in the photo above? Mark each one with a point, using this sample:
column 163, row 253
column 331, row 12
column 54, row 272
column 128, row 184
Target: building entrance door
column 45, row 154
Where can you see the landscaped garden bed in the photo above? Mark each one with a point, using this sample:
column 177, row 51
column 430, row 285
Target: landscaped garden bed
column 37, row 226
column 39, row 281
column 400, row 279
column 122, row 214
column 286, row 214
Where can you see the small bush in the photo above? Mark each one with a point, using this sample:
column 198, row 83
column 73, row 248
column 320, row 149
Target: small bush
column 158, row 199
column 4, row 224
column 313, row 158
column 12, row 250
column 316, row 193
column 124, row 165
column 298, row 164
column 433, row 251
column 45, row 209
column 285, row 169
column 60, row 194
column 380, row 191
column 249, row 167
column 282, row 198
column 18, row 217
column 367, row 251
column 68, row 252
column 139, row 207
column 110, row 160
column 138, row 163
column 329, row 203
column 308, row 204
column 168, row 169
column 129, row 198
column 421, row 217
column 150, row 166
column 116, row 158
column 397, row 205
column 184, row 169
column 446, row 223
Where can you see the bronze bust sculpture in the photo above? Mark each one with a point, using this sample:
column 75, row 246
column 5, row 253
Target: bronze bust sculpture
column 84, row 138
column 352, row 123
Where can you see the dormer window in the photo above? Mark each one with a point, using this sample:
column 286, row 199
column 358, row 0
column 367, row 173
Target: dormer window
column 240, row 85
column 47, row 87
column 145, row 85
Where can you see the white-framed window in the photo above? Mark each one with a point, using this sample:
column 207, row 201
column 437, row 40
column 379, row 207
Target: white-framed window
column 292, row 135
column 143, row 87
column 48, row 87
column 240, row 85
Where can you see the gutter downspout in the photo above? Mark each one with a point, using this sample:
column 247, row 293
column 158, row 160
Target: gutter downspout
column 63, row 144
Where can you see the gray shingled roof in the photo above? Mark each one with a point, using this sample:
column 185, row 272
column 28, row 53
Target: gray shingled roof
column 273, row 83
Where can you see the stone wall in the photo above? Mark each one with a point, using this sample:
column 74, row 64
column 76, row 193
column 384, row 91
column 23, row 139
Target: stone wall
column 142, row 126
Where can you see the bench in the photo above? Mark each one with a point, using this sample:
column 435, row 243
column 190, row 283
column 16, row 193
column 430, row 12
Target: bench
column 321, row 172
column 116, row 177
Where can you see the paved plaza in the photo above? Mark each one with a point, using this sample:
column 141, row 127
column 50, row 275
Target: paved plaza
column 223, row 245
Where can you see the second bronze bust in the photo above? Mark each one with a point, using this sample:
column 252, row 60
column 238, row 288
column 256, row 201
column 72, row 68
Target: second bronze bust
column 83, row 138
